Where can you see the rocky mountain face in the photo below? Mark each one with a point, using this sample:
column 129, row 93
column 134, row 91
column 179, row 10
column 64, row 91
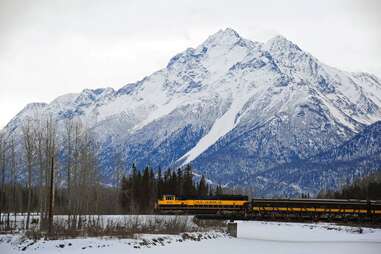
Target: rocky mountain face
column 355, row 158
column 234, row 108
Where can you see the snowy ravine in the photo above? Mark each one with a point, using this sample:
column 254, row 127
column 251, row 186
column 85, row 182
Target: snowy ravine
column 232, row 107
column 253, row 237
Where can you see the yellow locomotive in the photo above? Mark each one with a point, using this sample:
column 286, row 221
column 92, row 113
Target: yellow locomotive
column 204, row 204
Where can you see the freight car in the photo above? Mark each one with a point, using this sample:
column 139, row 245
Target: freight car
column 316, row 209
column 202, row 204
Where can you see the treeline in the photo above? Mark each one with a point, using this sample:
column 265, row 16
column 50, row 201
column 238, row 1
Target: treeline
column 139, row 191
column 368, row 187
column 49, row 173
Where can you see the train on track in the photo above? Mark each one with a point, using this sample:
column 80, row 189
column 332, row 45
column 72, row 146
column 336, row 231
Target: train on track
column 202, row 204
column 239, row 206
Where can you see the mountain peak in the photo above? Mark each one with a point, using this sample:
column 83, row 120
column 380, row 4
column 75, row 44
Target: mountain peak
column 228, row 31
column 280, row 42
column 224, row 37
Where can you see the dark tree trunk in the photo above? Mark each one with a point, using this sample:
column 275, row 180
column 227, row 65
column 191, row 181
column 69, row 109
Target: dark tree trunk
column 50, row 225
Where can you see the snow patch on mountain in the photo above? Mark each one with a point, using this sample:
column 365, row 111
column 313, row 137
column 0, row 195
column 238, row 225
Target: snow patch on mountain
column 220, row 128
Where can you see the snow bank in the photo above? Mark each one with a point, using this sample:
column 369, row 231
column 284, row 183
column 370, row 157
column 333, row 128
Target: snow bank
column 253, row 237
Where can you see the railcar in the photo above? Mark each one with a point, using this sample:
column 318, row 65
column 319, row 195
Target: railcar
column 202, row 204
column 318, row 209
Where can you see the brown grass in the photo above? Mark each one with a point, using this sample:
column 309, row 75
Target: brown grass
column 128, row 227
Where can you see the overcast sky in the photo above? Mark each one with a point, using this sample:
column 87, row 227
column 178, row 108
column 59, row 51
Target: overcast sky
column 49, row 48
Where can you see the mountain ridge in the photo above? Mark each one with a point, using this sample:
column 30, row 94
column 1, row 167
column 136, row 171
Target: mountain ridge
column 354, row 159
column 231, row 107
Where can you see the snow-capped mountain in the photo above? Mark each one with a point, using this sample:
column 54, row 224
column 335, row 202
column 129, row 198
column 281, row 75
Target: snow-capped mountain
column 232, row 107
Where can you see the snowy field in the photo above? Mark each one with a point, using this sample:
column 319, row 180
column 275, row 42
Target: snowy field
column 253, row 237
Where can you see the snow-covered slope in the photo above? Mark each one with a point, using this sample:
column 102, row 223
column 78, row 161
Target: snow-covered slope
column 231, row 107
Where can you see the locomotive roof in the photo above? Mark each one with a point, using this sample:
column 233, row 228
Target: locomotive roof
column 215, row 197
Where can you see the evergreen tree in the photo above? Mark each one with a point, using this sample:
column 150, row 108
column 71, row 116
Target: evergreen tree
column 136, row 188
column 368, row 187
column 159, row 184
column 140, row 190
column 166, row 182
column 211, row 191
column 145, row 195
column 188, row 186
column 180, row 182
column 202, row 187
column 173, row 184
column 219, row 190
column 125, row 197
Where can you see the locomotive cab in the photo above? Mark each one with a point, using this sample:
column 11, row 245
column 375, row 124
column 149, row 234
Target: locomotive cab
column 168, row 197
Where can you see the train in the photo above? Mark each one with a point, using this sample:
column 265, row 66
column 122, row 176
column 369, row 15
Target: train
column 202, row 204
column 239, row 206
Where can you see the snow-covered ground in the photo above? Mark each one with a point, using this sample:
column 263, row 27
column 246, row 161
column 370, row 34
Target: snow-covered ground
column 253, row 237
column 104, row 220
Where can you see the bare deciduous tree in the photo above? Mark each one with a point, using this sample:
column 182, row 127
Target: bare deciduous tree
column 29, row 145
column 51, row 147
column 68, row 146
